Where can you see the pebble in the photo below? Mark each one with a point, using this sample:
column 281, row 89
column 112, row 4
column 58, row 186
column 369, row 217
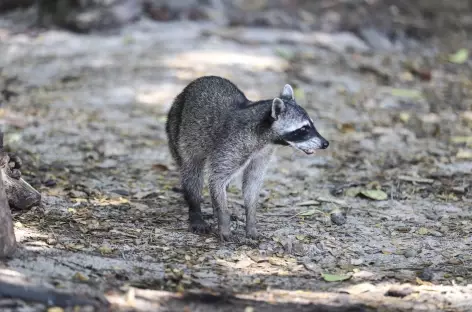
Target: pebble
column 121, row 192
column 50, row 183
column 108, row 164
column 376, row 39
column 403, row 229
column 288, row 246
column 427, row 274
column 258, row 256
column 435, row 233
column 337, row 217
column 298, row 248
column 410, row 253
column 77, row 194
column 51, row 241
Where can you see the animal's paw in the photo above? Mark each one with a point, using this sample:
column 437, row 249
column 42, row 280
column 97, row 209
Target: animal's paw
column 254, row 243
column 225, row 236
column 229, row 237
column 235, row 217
column 252, row 234
column 238, row 239
column 199, row 226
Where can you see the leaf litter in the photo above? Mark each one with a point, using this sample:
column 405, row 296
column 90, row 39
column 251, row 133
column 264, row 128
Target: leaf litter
column 146, row 232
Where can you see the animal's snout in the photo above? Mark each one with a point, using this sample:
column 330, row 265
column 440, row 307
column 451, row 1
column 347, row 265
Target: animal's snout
column 325, row 144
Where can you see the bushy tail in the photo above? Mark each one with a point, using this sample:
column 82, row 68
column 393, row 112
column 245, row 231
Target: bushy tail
column 174, row 118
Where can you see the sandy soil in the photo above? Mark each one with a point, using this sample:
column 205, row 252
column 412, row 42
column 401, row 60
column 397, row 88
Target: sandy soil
column 89, row 125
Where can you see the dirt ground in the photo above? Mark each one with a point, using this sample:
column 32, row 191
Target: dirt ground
column 387, row 203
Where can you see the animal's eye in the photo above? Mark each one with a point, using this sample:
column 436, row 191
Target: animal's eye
column 305, row 128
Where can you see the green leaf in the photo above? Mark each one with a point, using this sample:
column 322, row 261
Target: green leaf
column 335, row 278
column 285, row 54
column 308, row 203
column 127, row 40
column 460, row 57
column 300, row 237
column 406, row 93
column 461, row 139
column 352, row 191
column 374, row 194
column 308, row 213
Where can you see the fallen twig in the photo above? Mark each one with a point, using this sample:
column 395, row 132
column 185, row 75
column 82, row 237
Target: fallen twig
column 415, row 180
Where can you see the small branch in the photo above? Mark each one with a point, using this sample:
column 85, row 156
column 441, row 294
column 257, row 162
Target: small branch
column 48, row 297
column 415, row 180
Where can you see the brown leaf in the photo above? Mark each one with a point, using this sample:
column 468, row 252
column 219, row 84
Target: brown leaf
column 160, row 167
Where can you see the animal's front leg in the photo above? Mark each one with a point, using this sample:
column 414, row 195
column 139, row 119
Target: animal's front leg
column 253, row 179
column 222, row 170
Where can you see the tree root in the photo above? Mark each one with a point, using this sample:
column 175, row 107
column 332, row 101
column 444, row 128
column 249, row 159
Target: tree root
column 20, row 194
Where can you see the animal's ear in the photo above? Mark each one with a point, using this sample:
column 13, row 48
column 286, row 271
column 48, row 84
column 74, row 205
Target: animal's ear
column 287, row 92
column 278, row 107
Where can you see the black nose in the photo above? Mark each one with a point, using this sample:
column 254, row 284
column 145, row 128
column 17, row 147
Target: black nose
column 325, row 144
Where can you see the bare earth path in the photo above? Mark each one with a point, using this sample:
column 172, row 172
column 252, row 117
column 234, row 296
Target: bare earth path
column 89, row 125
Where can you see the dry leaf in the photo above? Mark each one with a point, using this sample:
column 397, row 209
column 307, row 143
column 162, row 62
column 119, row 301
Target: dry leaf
column 160, row 167
column 419, row 281
column 464, row 154
column 244, row 263
column 347, row 127
column 80, row 277
column 374, row 194
column 105, row 250
column 422, row 231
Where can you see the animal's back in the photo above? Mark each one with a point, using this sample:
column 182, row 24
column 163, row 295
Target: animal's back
column 199, row 113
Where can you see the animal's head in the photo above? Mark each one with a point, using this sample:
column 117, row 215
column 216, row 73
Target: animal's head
column 293, row 126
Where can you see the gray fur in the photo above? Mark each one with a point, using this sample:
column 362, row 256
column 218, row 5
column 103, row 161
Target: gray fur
column 278, row 107
column 287, row 92
column 212, row 122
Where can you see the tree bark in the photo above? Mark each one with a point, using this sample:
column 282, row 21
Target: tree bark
column 7, row 233
column 20, row 195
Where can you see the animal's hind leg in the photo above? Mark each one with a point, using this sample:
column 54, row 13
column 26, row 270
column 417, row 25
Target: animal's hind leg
column 192, row 185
